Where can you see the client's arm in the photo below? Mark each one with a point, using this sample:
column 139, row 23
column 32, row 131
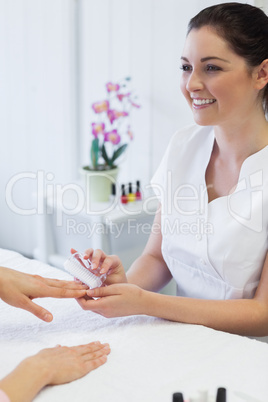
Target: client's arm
column 52, row 366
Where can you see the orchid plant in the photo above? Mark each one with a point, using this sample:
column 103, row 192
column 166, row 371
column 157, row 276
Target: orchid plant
column 111, row 131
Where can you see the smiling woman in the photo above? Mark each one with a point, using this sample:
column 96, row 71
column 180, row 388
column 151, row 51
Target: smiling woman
column 216, row 81
column 221, row 274
column 229, row 23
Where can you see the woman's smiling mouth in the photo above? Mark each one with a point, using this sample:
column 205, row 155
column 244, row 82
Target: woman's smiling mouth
column 202, row 101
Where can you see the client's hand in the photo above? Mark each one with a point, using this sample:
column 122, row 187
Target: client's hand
column 53, row 366
column 18, row 289
column 65, row 364
column 115, row 300
column 109, row 264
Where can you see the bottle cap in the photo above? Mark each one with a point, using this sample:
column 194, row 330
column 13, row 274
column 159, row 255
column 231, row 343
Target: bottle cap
column 177, row 397
column 221, row 395
column 113, row 191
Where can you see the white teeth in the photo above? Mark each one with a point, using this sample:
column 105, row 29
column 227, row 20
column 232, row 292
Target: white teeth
column 203, row 101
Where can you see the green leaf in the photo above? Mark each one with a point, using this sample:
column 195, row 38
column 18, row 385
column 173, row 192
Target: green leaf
column 94, row 153
column 105, row 156
column 119, row 152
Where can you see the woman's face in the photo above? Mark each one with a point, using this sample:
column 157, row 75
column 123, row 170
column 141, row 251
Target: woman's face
column 215, row 81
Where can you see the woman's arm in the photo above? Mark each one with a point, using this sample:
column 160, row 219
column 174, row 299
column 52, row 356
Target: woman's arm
column 239, row 316
column 53, row 366
column 150, row 271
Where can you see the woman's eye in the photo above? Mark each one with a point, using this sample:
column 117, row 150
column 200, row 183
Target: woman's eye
column 186, row 67
column 212, row 68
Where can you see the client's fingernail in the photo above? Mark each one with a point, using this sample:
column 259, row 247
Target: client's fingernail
column 90, row 292
column 48, row 317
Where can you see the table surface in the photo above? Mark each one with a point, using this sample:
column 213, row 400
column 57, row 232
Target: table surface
column 150, row 358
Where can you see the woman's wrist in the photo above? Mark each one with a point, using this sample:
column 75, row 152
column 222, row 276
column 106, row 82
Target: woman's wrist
column 26, row 380
column 146, row 300
column 38, row 369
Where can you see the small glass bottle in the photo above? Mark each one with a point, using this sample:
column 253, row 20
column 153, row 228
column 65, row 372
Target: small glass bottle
column 124, row 197
column 131, row 196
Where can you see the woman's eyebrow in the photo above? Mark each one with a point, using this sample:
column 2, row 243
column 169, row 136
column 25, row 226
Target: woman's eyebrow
column 206, row 59
column 213, row 57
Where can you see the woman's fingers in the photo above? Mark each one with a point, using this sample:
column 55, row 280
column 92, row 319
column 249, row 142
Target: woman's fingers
column 102, row 350
column 91, row 348
column 93, row 364
column 97, row 257
column 46, row 287
column 27, row 304
column 88, row 253
column 58, row 292
column 57, row 283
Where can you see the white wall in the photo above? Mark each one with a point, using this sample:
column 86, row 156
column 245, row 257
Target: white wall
column 37, row 103
column 55, row 57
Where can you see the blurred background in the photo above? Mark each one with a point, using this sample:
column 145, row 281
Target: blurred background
column 55, row 58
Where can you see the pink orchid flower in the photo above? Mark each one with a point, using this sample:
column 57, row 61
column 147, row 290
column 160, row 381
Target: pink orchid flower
column 97, row 128
column 122, row 96
column 115, row 114
column 112, row 136
column 112, row 87
column 100, row 107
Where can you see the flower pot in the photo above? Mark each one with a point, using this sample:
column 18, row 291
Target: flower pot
column 98, row 184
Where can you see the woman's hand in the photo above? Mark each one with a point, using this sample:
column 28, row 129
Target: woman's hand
column 115, row 300
column 52, row 366
column 108, row 264
column 18, row 289
column 65, row 364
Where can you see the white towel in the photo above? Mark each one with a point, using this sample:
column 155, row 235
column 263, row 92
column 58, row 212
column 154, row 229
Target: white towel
column 150, row 358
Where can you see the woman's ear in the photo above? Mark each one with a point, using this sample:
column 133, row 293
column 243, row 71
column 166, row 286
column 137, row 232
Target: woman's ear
column 261, row 74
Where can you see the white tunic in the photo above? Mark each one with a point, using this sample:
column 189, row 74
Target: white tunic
column 214, row 250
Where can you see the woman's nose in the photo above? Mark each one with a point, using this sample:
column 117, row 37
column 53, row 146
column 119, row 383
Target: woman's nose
column 194, row 82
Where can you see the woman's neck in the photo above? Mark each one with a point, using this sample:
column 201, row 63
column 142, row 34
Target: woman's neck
column 240, row 141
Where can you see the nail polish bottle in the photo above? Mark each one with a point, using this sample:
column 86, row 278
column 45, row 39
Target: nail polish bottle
column 131, row 196
column 113, row 192
column 177, row 397
column 124, row 197
column 221, row 395
column 138, row 192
